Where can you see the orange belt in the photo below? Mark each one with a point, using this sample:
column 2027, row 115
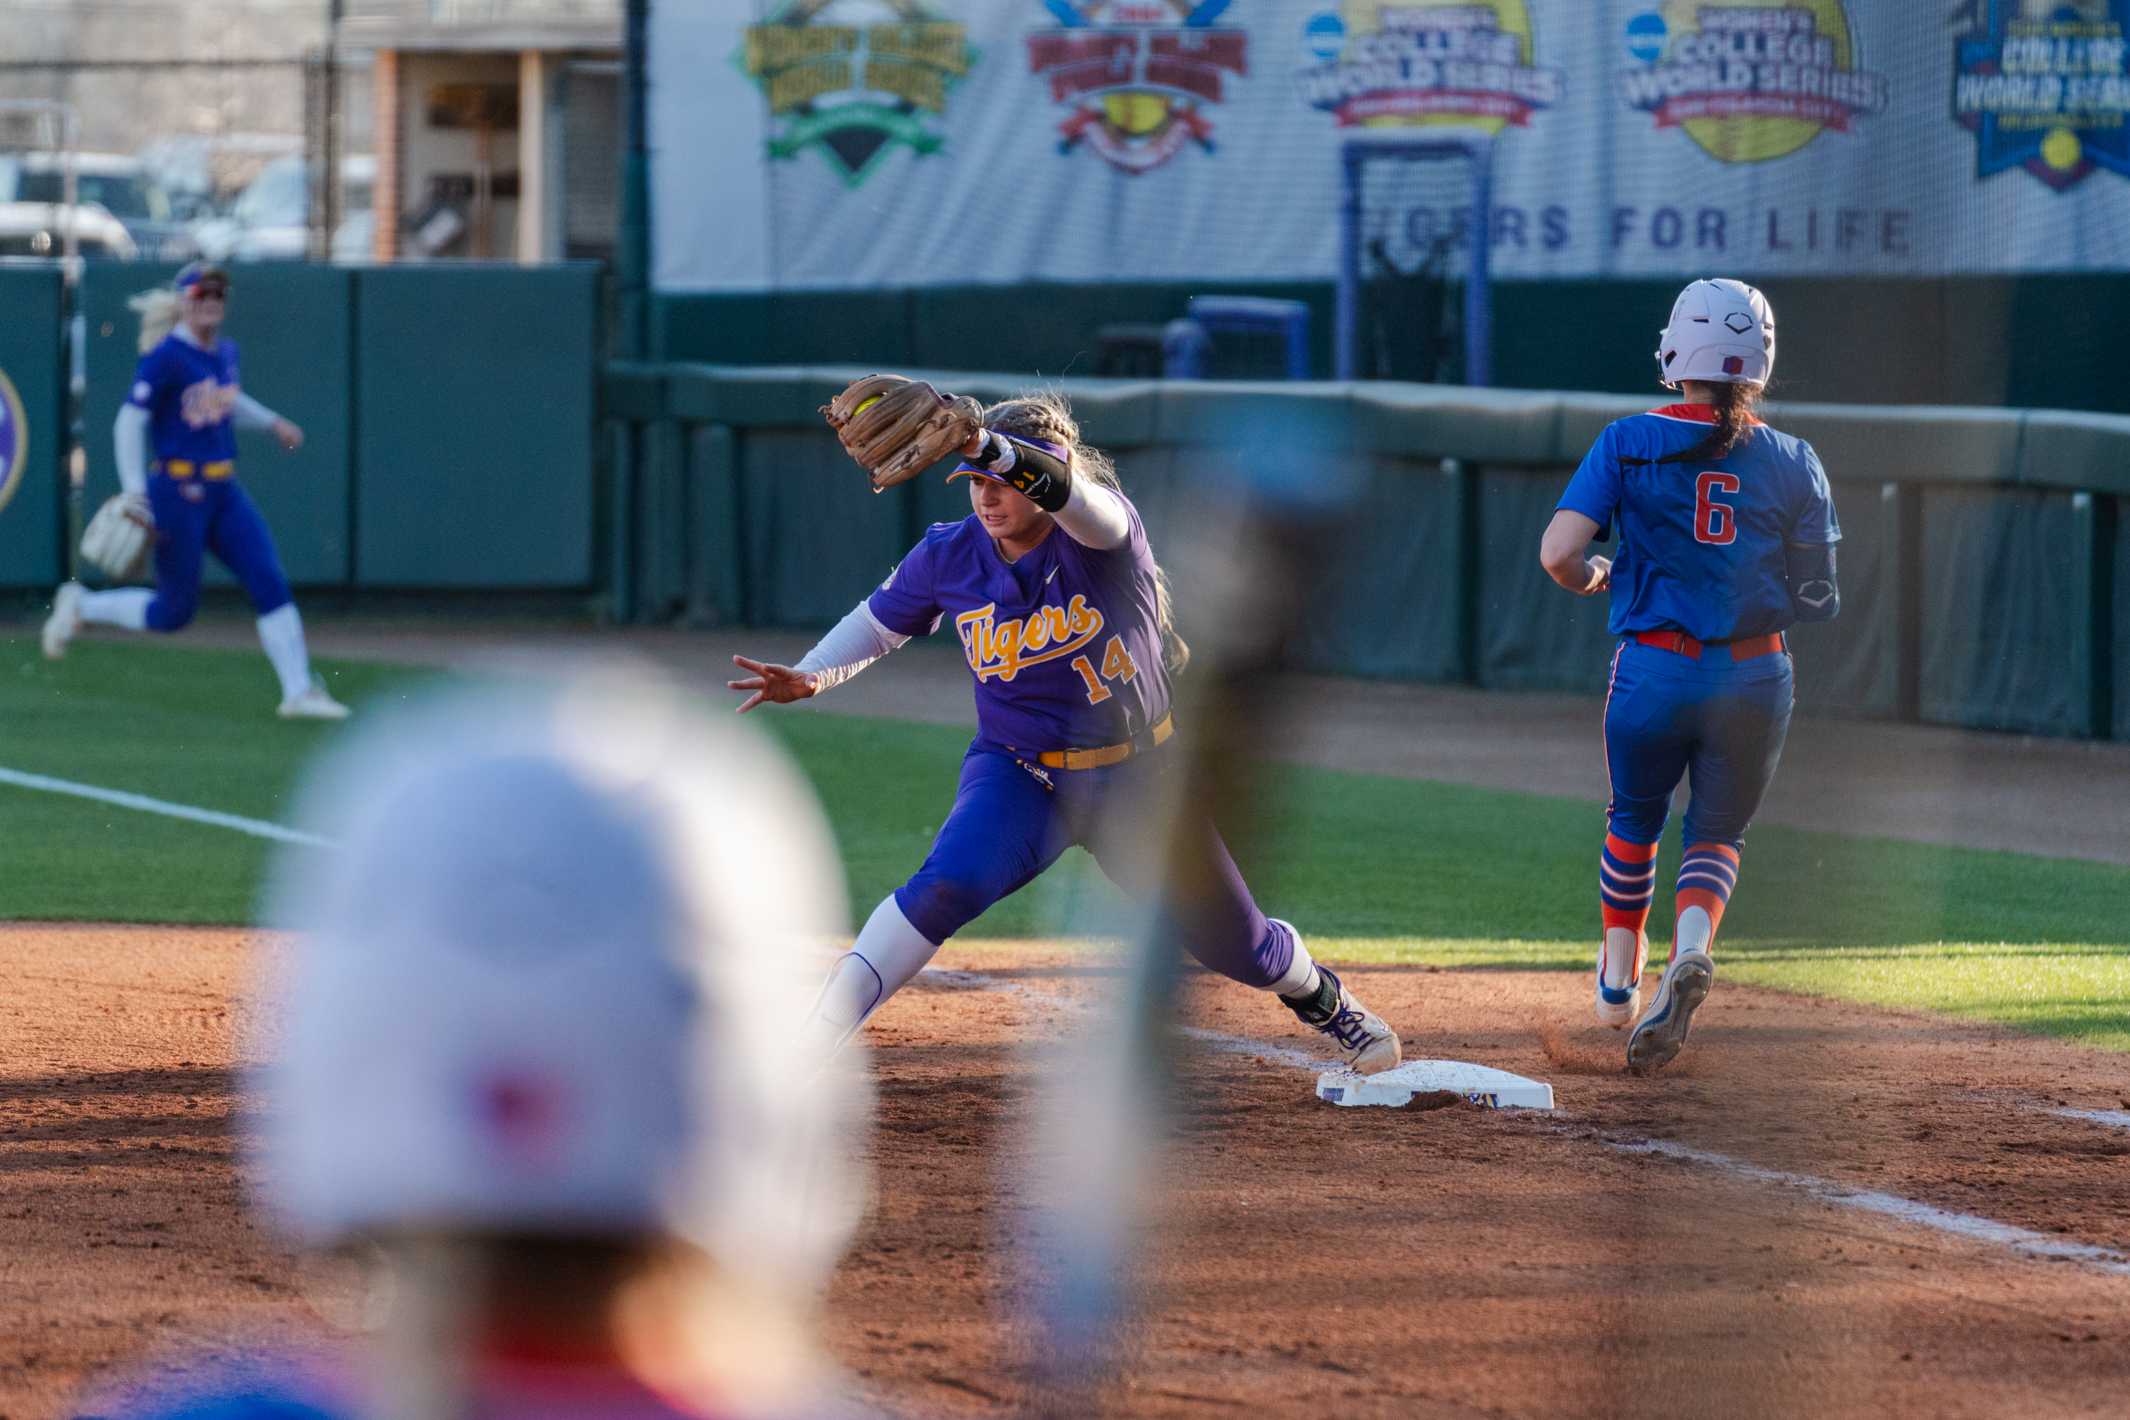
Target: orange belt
column 1109, row 754
column 1685, row 645
column 185, row 468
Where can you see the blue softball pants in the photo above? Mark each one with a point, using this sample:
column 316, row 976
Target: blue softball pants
column 197, row 515
column 1717, row 722
column 1012, row 819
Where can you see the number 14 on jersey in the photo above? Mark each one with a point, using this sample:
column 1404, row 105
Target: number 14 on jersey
column 1117, row 665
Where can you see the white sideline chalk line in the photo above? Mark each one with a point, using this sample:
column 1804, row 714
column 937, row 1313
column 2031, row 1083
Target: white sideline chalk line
column 1968, row 1226
column 1907, row 1210
column 2118, row 1118
column 142, row 803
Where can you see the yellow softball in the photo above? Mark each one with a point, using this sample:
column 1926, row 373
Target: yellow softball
column 865, row 405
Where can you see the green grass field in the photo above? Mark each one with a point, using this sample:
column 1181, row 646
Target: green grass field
column 1373, row 869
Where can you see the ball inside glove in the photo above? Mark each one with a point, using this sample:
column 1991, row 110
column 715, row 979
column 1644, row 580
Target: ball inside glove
column 896, row 428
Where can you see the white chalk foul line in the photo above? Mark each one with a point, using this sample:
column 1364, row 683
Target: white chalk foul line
column 1968, row 1226
column 2114, row 1118
column 1907, row 1210
column 142, row 803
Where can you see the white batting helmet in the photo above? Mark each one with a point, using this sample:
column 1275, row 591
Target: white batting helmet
column 545, row 981
column 1721, row 332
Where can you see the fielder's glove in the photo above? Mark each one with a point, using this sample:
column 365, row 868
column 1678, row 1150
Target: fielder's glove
column 897, row 428
column 120, row 538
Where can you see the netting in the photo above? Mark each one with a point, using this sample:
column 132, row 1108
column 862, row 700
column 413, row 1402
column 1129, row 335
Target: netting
column 1415, row 217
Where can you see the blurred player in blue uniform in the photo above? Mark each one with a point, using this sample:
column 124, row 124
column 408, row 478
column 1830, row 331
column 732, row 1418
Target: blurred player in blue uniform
column 519, row 1056
column 1062, row 614
column 187, row 404
column 1726, row 537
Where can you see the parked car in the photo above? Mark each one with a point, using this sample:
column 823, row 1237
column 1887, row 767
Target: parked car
column 39, row 229
column 118, row 184
column 271, row 218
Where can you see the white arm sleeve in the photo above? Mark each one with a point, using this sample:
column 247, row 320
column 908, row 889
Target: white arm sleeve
column 253, row 415
column 129, row 442
column 1094, row 516
column 850, row 646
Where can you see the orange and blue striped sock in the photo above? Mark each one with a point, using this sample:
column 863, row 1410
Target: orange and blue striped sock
column 1627, row 882
column 1707, row 874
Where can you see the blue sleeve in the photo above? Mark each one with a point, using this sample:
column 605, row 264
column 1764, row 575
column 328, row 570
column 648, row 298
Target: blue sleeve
column 150, row 377
column 1595, row 490
column 906, row 603
column 1815, row 522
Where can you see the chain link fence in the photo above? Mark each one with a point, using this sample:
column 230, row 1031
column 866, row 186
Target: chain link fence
column 175, row 159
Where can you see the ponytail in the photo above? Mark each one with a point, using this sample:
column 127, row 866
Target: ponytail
column 1047, row 416
column 1733, row 405
column 159, row 315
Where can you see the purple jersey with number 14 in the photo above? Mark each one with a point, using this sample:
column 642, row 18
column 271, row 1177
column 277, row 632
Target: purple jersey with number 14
column 1065, row 644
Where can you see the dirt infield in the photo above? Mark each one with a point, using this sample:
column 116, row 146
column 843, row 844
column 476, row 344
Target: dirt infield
column 1311, row 1260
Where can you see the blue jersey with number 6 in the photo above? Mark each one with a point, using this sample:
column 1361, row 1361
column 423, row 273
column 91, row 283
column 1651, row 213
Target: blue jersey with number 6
column 1701, row 542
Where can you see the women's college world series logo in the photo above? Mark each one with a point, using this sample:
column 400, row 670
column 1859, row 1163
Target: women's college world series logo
column 1137, row 78
column 2045, row 85
column 1425, row 63
column 853, row 77
column 14, row 439
column 1749, row 81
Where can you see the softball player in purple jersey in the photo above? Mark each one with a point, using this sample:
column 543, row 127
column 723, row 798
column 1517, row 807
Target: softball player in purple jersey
column 188, row 404
column 1062, row 614
column 1727, row 534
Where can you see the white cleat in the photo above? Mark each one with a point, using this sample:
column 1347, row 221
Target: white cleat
column 313, row 703
column 60, row 627
column 1619, row 977
column 1671, row 1012
column 1366, row 1043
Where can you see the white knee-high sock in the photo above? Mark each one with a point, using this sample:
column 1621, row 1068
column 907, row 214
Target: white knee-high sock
column 125, row 607
column 888, row 952
column 1302, row 978
column 281, row 633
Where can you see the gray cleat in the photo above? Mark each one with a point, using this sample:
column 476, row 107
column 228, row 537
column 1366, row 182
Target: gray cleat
column 1662, row 1033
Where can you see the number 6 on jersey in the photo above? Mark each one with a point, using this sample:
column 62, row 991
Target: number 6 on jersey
column 1715, row 523
column 1117, row 664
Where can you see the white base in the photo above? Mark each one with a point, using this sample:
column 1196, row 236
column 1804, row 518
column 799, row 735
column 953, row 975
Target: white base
column 1481, row 1084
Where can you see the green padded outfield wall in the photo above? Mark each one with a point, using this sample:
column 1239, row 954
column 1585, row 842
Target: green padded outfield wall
column 1533, row 635
column 32, row 524
column 291, row 325
column 2120, row 621
column 1985, row 563
column 477, row 392
column 1852, row 663
column 1874, row 341
column 1990, row 658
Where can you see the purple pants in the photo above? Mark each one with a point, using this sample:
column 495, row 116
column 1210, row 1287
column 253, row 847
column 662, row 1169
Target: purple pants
column 1008, row 825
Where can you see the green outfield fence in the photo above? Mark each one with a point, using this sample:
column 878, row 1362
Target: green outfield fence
column 463, row 440
column 33, row 520
column 1985, row 567
column 1872, row 340
column 451, row 418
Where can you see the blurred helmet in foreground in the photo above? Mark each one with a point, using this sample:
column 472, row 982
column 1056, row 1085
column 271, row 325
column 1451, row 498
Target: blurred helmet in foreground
column 544, row 981
column 1721, row 332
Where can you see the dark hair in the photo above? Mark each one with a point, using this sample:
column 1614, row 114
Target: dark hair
column 1733, row 405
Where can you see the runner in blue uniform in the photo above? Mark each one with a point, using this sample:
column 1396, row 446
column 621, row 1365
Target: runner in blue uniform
column 1726, row 537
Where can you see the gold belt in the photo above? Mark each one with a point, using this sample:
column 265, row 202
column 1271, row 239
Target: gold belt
column 185, row 468
column 1108, row 754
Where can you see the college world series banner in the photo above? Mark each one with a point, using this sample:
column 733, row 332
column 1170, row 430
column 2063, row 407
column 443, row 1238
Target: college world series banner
column 842, row 143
